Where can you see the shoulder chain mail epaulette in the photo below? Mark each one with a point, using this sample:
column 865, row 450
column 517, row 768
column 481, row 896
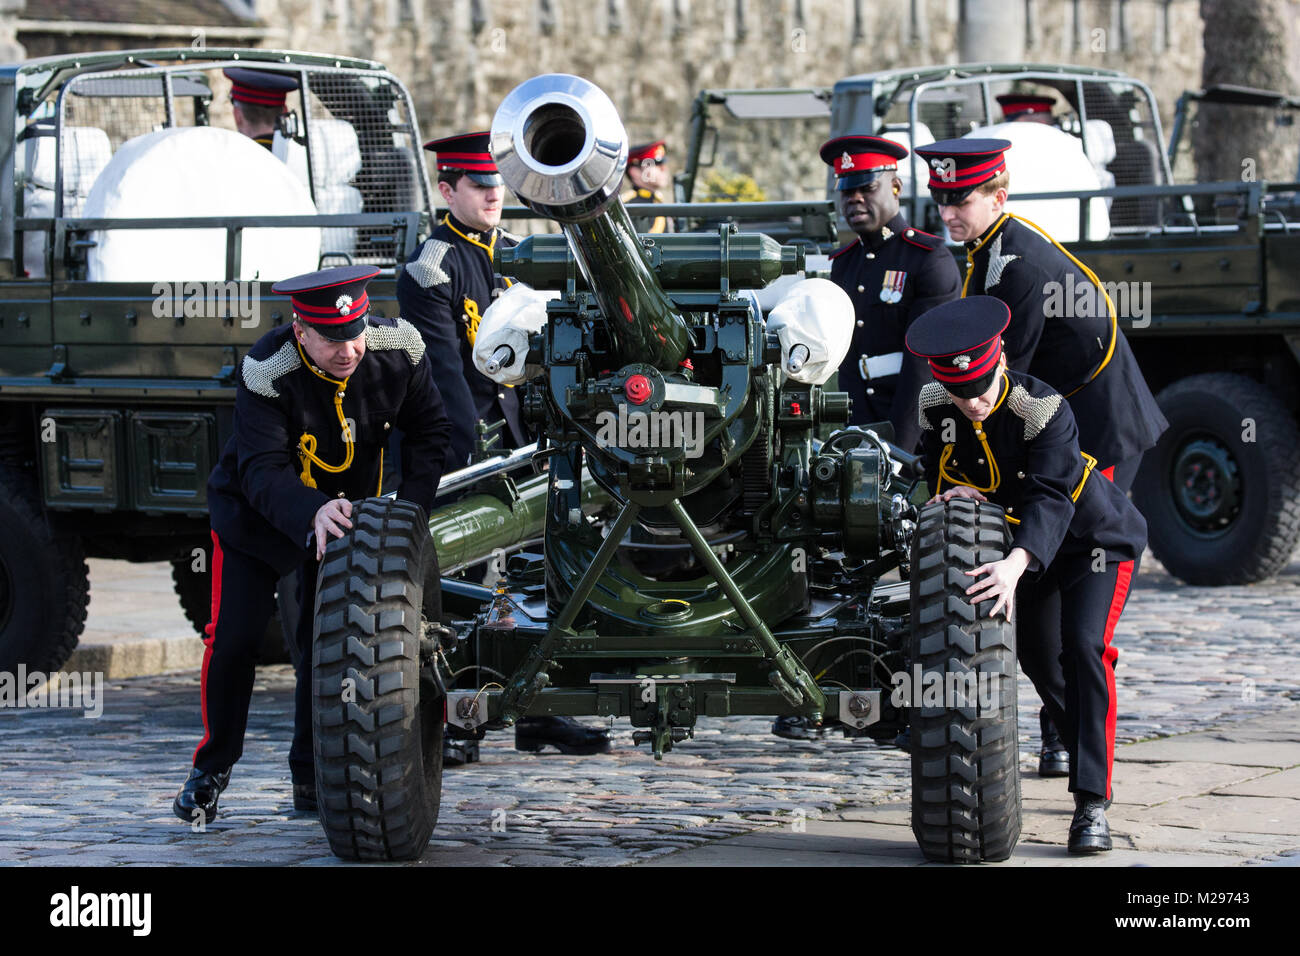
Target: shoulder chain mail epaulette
column 997, row 262
column 401, row 336
column 426, row 268
column 260, row 375
column 508, row 235
column 1036, row 412
column 932, row 395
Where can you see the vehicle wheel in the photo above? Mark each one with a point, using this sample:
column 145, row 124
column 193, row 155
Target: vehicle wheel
column 378, row 738
column 965, row 758
column 194, row 588
column 44, row 582
column 1222, row 503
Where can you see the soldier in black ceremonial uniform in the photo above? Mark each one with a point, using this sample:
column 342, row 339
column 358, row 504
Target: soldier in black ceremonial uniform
column 1071, row 341
column 1064, row 329
column 450, row 281
column 315, row 403
column 893, row 272
column 443, row 291
column 1004, row 436
column 647, row 170
column 258, row 98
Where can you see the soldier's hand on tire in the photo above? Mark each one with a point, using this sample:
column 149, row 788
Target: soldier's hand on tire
column 332, row 518
column 1001, row 578
column 960, row 491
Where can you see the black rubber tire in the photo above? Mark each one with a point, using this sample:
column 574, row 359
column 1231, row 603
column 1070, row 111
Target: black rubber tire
column 378, row 756
column 965, row 761
column 44, row 582
column 1260, row 537
column 194, row 588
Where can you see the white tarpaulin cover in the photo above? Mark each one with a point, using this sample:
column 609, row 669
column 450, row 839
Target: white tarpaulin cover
column 818, row 314
column 1044, row 159
column 509, row 320
column 197, row 171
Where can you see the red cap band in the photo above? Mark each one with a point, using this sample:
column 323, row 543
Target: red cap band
column 346, row 310
column 477, row 162
column 863, row 162
column 247, row 94
column 970, row 176
column 977, row 366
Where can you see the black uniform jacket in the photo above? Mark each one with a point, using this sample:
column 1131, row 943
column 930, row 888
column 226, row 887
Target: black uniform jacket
column 258, row 501
column 1029, row 462
column 1061, row 332
column 443, row 291
column 925, row 274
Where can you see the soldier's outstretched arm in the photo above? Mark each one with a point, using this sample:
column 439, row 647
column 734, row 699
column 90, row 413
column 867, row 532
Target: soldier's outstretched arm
column 429, row 308
column 931, row 448
column 268, row 474
column 426, row 430
column 1053, row 471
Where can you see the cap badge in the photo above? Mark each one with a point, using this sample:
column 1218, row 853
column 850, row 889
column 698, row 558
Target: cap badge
column 962, row 362
column 344, row 304
column 846, row 161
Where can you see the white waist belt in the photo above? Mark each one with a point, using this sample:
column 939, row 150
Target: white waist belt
column 880, row 366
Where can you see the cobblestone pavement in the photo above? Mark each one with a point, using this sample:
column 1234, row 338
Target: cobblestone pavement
column 98, row 792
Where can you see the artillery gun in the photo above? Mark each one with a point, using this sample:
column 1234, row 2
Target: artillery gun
column 741, row 567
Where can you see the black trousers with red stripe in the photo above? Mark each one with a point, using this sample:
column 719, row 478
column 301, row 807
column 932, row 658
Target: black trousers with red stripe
column 243, row 599
column 1122, row 476
column 1065, row 624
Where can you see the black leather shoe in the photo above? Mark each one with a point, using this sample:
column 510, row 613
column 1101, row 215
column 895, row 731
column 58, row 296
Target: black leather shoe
column 197, row 800
column 1089, row 831
column 304, row 797
column 904, row 741
column 563, row 733
column 457, row 752
column 793, row 727
column 1053, row 758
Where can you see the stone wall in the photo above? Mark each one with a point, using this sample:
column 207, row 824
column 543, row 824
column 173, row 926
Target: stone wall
column 11, row 51
column 460, row 57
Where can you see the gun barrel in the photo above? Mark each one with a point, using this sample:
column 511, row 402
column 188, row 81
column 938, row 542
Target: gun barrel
column 561, row 148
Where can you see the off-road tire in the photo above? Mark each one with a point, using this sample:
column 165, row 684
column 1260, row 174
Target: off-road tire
column 194, row 588
column 379, row 755
column 1217, row 410
column 965, row 761
column 44, row 582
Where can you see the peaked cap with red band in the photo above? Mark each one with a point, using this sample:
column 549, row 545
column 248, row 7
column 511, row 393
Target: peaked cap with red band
column 259, row 87
column 1015, row 105
column 468, row 153
column 333, row 301
column 962, row 340
column 647, row 153
column 858, row 160
column 957, row 166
